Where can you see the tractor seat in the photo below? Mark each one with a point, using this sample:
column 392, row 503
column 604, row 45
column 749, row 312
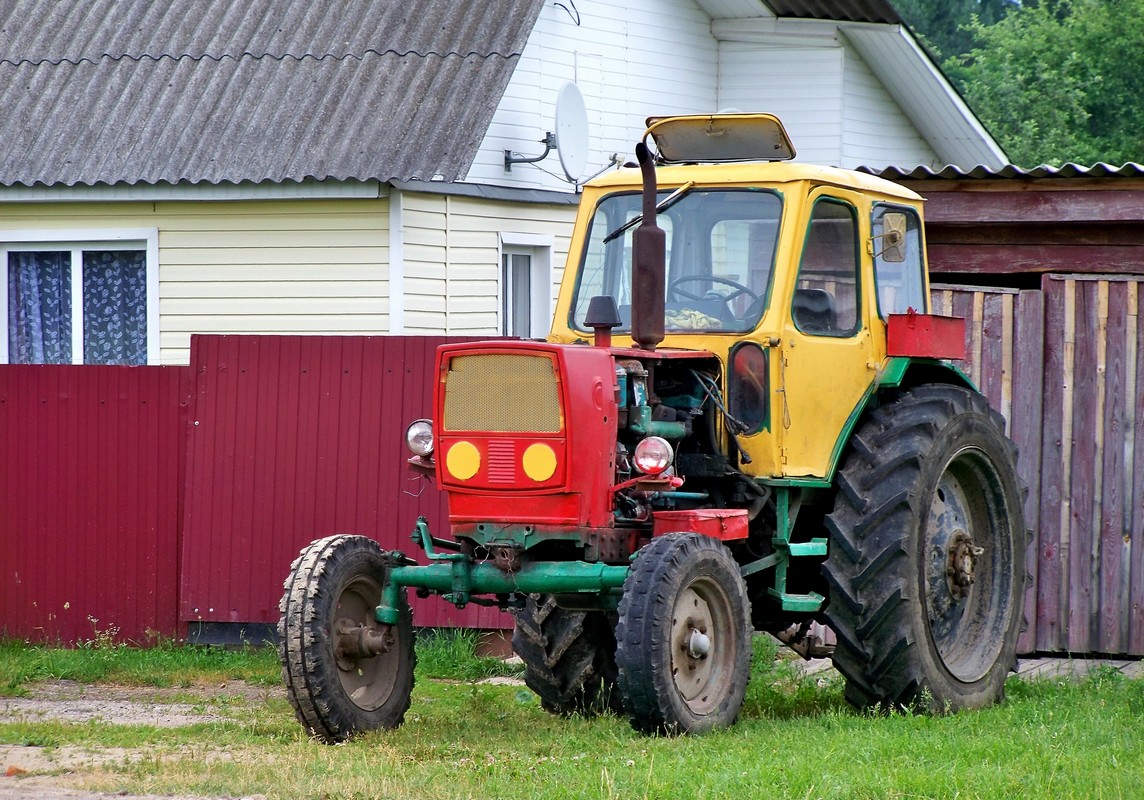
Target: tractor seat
column 813, row 311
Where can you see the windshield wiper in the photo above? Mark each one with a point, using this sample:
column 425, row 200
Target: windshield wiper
column 664, row 204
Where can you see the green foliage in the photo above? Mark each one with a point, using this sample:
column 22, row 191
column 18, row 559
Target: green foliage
column 942, row 23
column 1054, row 81
column 102, row 660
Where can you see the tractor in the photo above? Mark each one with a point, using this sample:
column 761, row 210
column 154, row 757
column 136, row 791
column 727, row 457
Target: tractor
column 745, row 419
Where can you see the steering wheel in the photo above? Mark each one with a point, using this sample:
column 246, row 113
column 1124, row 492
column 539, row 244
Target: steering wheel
column 674, row 290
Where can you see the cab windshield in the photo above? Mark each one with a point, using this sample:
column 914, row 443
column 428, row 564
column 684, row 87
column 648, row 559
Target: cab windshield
column 720, row 256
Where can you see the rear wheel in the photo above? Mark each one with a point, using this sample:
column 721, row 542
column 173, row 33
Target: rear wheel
column 683, row 636
column 345, row 672
column 927, row 553
column 569, row 656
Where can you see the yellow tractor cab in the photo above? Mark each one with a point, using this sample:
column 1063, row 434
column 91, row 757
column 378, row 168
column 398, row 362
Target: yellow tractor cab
column 787, row 272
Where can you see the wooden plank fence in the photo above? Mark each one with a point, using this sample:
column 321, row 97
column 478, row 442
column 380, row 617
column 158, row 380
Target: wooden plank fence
column 1062, row 364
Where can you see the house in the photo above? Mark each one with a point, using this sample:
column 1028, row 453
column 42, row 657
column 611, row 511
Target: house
column 274, row 166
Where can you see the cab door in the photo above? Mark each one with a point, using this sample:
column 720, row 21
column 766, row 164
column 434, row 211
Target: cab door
column 826, row 355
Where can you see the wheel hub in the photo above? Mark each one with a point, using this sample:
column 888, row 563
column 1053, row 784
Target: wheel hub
column 353, row 642
column 961, row 560
column 691, row 665
column 698, row 644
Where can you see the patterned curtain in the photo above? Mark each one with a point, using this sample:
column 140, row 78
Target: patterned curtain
column 114, row 307
column 39, row 308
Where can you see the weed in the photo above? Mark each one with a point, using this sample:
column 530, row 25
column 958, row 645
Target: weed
column 452, row 654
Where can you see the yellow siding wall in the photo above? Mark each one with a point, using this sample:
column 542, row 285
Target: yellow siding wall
column 426, row 254
column 316, row 266
column 292, row 266
column 464, row 233
column 273, row 267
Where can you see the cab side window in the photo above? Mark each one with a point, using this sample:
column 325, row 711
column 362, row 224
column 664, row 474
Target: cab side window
column 898, row 269
column 825, row 299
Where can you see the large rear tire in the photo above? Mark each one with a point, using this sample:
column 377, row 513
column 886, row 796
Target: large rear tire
column 345, row 672
column 569, row 657
column 926, row 570
column 683, row 636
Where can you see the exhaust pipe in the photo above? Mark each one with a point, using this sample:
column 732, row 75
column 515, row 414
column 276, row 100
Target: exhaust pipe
column 649, row 263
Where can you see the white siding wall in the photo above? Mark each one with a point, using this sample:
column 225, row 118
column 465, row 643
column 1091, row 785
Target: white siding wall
column 802, row 85
column 630, row 59
column 248, row 267
column 876, row 132
column 452, row 258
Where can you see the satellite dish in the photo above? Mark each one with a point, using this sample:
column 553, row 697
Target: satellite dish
column 571, row 131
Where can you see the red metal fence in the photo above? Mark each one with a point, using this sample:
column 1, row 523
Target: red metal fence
column 297, row 437
column 91, row 467
column 110, row 509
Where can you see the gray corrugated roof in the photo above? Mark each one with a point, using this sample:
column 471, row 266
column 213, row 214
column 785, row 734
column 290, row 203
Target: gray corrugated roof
column 1129, row 170
column 841, row 10
column 113, row 91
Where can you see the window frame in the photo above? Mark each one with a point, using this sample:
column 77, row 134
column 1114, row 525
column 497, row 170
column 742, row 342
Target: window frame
column 145, row 240
column 538, row 249
column 919, row 269
column 859, row 309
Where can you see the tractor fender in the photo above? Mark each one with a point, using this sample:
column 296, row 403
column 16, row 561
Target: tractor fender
column 896, row 372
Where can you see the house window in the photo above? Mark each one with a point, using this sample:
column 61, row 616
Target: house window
column 78, row 302
column 526, row 285
column 516, row 306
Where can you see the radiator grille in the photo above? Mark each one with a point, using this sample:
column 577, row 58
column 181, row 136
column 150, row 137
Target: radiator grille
column 502, row 461
column 502, row 393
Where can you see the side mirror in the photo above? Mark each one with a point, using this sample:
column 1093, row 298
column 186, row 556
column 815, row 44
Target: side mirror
column 893, row 238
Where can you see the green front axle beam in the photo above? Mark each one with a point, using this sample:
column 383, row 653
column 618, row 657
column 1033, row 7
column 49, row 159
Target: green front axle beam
column 456, row 576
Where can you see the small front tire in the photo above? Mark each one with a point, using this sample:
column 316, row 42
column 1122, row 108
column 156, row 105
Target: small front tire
column 683, row 636
column 345, row 672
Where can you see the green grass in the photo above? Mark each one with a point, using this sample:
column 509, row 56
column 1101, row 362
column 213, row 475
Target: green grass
column 166, row 664
column 796, row 738
column 451, row 654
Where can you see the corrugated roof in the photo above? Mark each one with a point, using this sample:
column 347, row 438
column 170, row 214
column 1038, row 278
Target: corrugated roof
column 148, row 91
column 841, row 10
column 1070, row 170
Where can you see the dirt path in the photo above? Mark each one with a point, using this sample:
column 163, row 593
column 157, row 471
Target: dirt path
column 51, row 773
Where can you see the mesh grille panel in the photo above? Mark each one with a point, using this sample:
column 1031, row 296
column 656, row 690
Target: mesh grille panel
column 502, row 393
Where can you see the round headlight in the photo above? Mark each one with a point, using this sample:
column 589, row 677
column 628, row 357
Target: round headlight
column 419, row 437
column 653, row 455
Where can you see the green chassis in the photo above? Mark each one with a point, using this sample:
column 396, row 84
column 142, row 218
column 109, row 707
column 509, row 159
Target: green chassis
column 457, row 576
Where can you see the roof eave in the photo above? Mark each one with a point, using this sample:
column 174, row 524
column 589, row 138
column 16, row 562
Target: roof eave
column 925, row 95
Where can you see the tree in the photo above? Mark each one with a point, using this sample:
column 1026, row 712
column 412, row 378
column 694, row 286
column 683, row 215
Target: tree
column 1059, row 81
column 943, row 24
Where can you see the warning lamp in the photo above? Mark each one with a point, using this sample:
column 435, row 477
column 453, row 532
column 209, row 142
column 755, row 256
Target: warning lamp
column 653, row 455
column 419, row 437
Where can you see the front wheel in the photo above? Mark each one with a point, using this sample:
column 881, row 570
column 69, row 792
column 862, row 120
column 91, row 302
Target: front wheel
column 345, row 672
column 927, row 554
column 683, row 636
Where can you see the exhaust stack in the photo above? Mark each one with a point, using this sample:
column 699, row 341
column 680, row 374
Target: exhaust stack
column 649, row 263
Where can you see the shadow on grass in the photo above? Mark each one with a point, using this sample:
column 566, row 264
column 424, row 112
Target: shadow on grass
column 780, row 690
